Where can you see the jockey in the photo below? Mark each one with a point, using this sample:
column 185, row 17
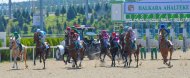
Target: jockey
column 68, row 31
column 115, row 39
column 165, row 33
column 105, row 37
column 77, row 40
column 17, row 38
column 42, row 36
column 77, row 43
column 126, row 29
column 132, row 39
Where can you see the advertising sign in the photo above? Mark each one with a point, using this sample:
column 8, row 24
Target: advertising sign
column 156, row 7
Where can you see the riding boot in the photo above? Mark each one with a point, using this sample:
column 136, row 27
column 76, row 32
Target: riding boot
column 20, row 47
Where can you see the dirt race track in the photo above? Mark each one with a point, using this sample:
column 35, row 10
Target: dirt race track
column 95, row 69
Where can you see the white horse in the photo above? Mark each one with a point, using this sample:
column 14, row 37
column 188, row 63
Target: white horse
column 16, row 52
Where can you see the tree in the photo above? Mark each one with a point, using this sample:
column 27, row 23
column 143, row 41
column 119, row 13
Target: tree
column 89, row 9
column 49, row 30
column 63, row 11
column 25, row 28
column 57, row 12
column 79, row 21
column 97, row 7
column 70, row 14
column 47, row 13
column 65, row 25
column 84, row 21
column 91, row 19
column 82, row 11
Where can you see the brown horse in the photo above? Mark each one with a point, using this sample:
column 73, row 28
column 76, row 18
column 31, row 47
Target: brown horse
column 41, row 49
column 103, row 50
column 16, row 52
column 165, row 47
column 128, row 51
column 74, row 52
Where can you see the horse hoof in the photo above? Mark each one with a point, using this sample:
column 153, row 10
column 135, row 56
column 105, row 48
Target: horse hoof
column 80, row 65
column 44, row 68
column 73, row 66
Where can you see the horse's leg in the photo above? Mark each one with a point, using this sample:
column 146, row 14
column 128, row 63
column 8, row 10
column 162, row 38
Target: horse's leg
column 36, row 55
column 137, row 58
column 100, row 56
column 125, row 60
column 25, row 58
column 44, row 59
column 41, row 57
column 171, row 51
column 73, row 63
column 130, row 57
column 82, row 55
column 112, row 59
column 14, row 62
column 64, row 59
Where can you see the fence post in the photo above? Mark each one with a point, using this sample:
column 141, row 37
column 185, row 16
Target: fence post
column 10, row 55
column 33, row 54
column 53, row 52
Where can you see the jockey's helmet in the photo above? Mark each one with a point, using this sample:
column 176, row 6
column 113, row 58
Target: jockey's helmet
column 68, row 28
column 76, row 35
column 73, row 27
column 113, row 34
column 103, row 31
column 15, row 33
column 38, row 30
column 130, row 28
column 162, row 26
column 126, row 28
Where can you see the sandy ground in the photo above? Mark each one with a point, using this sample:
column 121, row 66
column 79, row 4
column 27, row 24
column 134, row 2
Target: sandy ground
column 95, row 69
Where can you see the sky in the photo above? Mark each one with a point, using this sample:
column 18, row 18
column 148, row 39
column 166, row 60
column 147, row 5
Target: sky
column 6, row 1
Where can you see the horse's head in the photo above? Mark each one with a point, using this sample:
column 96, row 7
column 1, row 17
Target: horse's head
column 127, row 36
column 36, row 38
column 139, row 46
column 162, row 34
column 12, row 42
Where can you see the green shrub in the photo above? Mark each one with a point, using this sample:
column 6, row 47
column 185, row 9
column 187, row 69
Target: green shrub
column 1, row 44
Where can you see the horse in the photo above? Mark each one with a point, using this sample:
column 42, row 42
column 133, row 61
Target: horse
column 166, row 47
column 66, row 50
column 41, row 49
column 121, row 39
column 16, row 52
column 128, row 51
column 114, row 48
column 73, row 52
column 103, row 49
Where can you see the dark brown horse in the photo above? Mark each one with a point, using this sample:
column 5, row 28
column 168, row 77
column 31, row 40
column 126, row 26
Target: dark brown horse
column 103, row 50
column 74, row 53
column 66, row 53
column 165, row 47
column 114, row 49
column 40, row 49
column 128, row 51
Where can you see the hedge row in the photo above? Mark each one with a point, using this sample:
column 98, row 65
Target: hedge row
column 29, row 42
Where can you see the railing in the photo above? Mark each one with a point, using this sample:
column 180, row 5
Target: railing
column 31, row 47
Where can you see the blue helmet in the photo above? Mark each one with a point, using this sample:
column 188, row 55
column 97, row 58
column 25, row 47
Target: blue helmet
column 162, row 26
column 126, row 28
column 38, row 30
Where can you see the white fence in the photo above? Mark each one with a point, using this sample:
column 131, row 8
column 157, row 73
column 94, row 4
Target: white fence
column 28, row 47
